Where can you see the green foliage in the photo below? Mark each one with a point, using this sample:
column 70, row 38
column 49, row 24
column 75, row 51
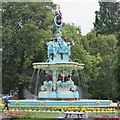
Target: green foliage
column 107, row 18
column 104, row 85
column 24, row 25
column 116, row 70
column 107, row 23
column 71, row 32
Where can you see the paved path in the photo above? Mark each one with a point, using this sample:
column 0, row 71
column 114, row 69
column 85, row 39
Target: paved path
column 2, row 116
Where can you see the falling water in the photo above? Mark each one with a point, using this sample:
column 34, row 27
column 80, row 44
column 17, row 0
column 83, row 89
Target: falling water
column 32, row 79
column 80, row 92
column 37, row 80
column 79, row 88
column 35, row 84
column 28, row 92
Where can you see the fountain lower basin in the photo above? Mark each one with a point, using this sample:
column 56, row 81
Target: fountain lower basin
column 63, row 103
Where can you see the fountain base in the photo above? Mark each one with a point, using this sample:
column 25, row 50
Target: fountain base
column 63, row 103
column 59, row 95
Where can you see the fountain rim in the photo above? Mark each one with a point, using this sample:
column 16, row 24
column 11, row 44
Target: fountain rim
column 54, row 63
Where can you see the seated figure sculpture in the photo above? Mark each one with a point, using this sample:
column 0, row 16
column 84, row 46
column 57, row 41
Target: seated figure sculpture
column 58, row 46
column 51, row 49
column 66, row 81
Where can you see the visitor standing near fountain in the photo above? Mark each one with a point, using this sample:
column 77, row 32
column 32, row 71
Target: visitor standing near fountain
column 5, row 102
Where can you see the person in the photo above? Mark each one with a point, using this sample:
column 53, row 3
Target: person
column 5, row 100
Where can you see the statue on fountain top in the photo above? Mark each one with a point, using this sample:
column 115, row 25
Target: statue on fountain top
column 58, row 49
column 58, row 18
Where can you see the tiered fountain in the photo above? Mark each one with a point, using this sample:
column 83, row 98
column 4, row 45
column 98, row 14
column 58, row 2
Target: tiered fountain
column 58, row 84
column 58, row 88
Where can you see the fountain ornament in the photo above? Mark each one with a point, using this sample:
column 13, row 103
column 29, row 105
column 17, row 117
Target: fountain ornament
column 58, row 83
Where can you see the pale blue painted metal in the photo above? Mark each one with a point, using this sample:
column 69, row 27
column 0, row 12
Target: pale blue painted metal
column 37, row 103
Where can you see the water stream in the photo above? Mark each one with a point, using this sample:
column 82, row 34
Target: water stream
column 31, row 79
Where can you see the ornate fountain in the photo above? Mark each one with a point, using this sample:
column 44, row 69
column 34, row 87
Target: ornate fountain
column 58, row 88
column 58, row 84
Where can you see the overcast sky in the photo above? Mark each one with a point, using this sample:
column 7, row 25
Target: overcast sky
column 79, row 12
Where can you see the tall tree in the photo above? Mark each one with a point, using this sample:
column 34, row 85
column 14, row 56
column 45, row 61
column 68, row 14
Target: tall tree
column 104, row 85
column 24, row 25
column 117, row 66
column 107, row 18
column 107, row 22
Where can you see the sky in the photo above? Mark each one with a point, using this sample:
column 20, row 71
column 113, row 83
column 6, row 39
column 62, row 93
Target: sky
column 79, row 12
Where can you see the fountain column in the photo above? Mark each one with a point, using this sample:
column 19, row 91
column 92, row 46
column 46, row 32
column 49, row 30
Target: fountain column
column 54, row 81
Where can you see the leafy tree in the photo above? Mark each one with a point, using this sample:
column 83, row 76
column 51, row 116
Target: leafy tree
column 104, row 45
column 24, row 25
column 107, row 18
column 117, row 66
column 107, row 22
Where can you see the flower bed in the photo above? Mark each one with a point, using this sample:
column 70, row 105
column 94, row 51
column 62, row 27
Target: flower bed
column 18, row 114
column 106, row 118
column 64, row 109
column 31, row 112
